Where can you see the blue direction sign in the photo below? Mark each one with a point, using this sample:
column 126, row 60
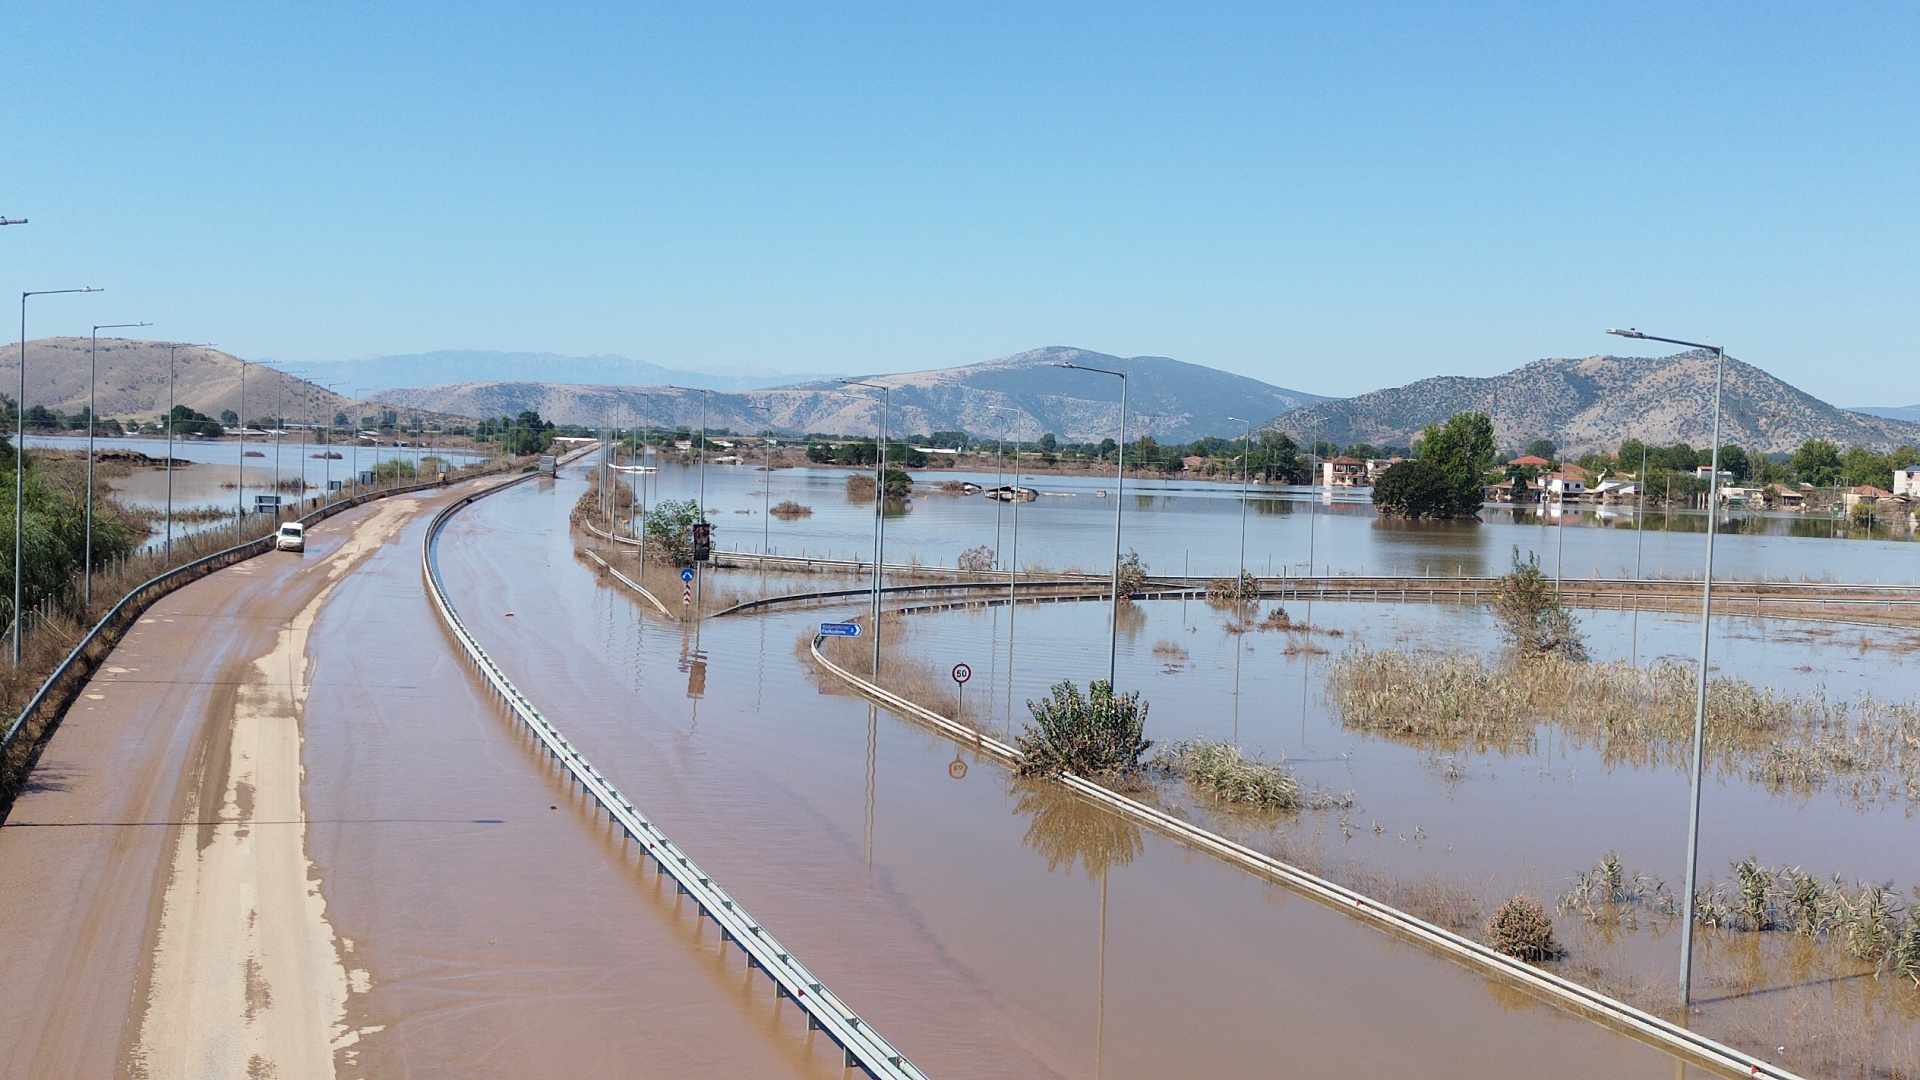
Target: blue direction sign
column 839, row 629
column 686, row 574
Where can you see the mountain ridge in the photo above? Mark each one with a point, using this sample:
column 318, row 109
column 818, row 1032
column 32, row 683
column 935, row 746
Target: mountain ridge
column 1593, row 402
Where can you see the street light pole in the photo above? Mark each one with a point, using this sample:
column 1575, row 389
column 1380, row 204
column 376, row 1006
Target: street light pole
column 20, row 458
column 879, row 512
column 172, row 348
column 93, row 381
column 1700, row 681
column 1119, row 491
column 1246, row 444
column 240, row 474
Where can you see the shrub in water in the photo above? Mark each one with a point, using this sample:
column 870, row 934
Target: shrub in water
column 1091, row 734
column 976, row 558
column 1532, row 619
column 1522, row 929
column 1216, row 769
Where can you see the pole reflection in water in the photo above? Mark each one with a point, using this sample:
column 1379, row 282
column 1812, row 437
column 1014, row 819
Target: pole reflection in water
column 873, row 737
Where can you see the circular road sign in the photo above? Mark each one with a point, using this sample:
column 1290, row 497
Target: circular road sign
column 961, row 673
column 957, row 769
column 686, row 574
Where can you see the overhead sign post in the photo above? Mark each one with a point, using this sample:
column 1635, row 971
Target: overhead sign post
column 839, row 629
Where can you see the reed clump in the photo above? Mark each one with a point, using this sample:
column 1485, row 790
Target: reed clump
column 1220, row 772
column 976, row 558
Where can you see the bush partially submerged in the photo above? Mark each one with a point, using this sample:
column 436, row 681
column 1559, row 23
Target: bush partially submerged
column 1532, row 618
column 976, row 558
column 1094, row 734
column 1521, row 928
column 1133, row 574
column 1218, row 771
column 787, row 508
column 1230, row 590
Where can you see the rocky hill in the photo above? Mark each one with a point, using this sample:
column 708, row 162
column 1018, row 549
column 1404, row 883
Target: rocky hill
column 1594, row 402
column 133, row 382
column 1020, row 396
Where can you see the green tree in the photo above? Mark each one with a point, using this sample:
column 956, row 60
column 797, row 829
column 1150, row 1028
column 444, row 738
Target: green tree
column 229, row 418
column 339, row 419
column 899, row 484
column 1817, row 462
column 1414, row 489
column 669, row 530
column 1859, row 467
column 1733, row 461
column 1543, row 448
column 1461, row 451
column 188, row 422
column 1049, row 442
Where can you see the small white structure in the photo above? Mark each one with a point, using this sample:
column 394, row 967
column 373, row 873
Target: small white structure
column 1907, row 481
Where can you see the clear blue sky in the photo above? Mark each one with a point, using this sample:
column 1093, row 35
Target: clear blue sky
column 1330, row 199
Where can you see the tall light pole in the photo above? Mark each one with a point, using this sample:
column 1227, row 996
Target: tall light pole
column 879, row 511
column 240, row 474
column 1700, row 681
column 173, row 347
column 1013, row 555
column 1246, row 444
column 1119, row 486
column 699, row 577
column 20, row 458
column 93, row 381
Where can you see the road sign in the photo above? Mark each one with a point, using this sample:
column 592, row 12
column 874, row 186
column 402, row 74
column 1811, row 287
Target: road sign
column 957, row 769
column 686, row 574
column 961, row 673
column 839, row 629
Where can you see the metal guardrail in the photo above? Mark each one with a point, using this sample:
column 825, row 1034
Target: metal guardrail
column 631, row 584
column 861, row 1046
column 1581, row 999
column 57, row 690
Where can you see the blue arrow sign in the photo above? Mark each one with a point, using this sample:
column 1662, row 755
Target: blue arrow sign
column 839, row 629
column 686, row 574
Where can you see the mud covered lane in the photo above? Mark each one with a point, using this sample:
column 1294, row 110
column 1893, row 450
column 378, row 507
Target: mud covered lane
column 284, row 834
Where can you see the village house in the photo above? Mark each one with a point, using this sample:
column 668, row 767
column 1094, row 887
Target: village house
column 1865, row 494
column 1781, row 497
column 1343, row 472
column 1615, row 490
column 1530, row 461
column 1906, row 482
column 1376, row 466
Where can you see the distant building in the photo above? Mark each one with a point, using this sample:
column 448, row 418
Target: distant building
column 1705, row 472
column 1564, row 485
column 1907, row 481
column 1192, row 463
column 1614, row 490
column 1782, row 497
column 1531, row 461
column 1343, row 472
column 1864, row 494
column 1376, row 466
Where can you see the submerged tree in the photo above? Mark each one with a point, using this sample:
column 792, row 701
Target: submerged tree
column 1095, row 734
column 1532, row 618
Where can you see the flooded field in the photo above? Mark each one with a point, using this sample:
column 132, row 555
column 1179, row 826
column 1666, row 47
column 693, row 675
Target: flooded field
column 1193, row 526
column 946, row 900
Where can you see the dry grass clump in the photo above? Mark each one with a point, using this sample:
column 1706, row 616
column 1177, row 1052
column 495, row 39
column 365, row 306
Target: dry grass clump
column 787, row 509
column 1522, row 928
column 1643, row 714
column 860, row 487
column 1217, row 770
column 1607, row 894
column 1171, row 652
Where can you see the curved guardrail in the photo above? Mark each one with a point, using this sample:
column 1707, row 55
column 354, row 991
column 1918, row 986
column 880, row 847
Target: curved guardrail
column 861, row 1046
column 1588, row 1002
column 56, row 692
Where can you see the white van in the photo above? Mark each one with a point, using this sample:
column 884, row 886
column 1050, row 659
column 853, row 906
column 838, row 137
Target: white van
column 291, row 537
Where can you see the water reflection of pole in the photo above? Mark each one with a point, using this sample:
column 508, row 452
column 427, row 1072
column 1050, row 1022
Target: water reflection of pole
column 1700, row 682
column 1100, row 991
column 873, row 735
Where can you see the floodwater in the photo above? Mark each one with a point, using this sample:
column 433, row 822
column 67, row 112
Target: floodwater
column 1194, row 526
column 986, row 927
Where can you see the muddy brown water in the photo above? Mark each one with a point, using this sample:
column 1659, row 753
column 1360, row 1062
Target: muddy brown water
column 500, row 931
column 985, row 930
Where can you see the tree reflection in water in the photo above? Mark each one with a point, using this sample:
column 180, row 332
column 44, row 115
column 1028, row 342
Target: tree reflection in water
column 1066, row 829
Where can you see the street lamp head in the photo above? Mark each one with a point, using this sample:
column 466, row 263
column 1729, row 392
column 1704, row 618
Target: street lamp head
column 119, row 326
column 1629, row 332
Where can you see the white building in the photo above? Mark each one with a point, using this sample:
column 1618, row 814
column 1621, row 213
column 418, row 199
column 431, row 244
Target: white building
column 1907, row 481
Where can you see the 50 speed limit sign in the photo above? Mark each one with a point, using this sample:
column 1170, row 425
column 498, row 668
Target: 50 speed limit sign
column 961, row 673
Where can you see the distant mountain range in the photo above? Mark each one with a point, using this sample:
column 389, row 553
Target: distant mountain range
column 1020, row 396
column 133, row 382
column 1891, row 412
column 376, row 374
column 1594, row 402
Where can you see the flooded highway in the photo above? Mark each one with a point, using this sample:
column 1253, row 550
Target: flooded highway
column 988, row 927
column 284, row 834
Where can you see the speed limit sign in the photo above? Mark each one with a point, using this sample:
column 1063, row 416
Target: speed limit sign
column 961, row 673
